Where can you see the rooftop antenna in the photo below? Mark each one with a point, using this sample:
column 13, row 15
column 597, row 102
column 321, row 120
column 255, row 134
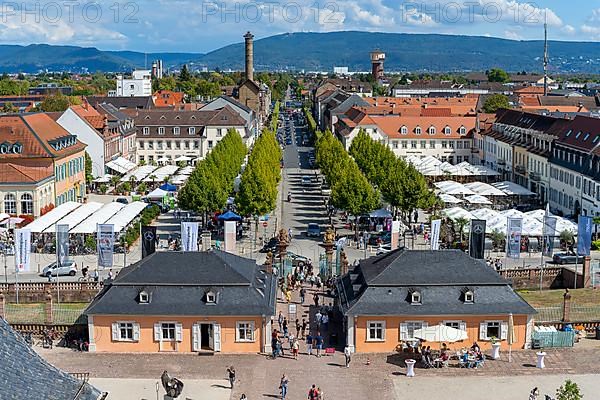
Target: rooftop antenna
column 545, row 52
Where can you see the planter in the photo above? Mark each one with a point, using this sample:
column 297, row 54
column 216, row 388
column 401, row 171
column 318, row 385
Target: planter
column 495, row 351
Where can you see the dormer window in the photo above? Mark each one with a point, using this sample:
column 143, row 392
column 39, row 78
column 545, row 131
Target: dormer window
column 462, row 130
column 211, row 298
column 447, row 130
column 404, row 130
column 415, row 297
column 418, row 130
column 144, row 297
column 468, row 296
column 432, row 130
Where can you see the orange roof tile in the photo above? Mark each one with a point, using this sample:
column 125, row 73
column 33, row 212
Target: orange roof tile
column 19, row 173
column 167, row 98
column 392, row 126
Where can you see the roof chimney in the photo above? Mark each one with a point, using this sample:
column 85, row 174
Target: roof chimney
column 249, row 39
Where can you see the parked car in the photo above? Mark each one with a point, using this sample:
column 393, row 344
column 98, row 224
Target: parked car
column 384, row 238
column 68, row 268
column 566, row 258
column 383, row 249
column 306, row 180
column 122, row 200
column 298, row 260
column 313, row 230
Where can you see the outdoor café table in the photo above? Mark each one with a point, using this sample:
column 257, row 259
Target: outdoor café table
column 410, row 367
column 438, row 362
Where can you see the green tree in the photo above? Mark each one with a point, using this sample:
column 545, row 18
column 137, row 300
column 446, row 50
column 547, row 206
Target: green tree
column 8, row 107
column 55, row 103
column 495, row 102
column 89, row 177
column 498, row 75
column 462, row 223
column 184, row 74
column 568, row 391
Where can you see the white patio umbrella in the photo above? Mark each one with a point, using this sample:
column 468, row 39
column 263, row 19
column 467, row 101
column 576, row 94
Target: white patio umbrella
column 478, row 199
column 183, row 158
column 440, row 333
column 449, row 199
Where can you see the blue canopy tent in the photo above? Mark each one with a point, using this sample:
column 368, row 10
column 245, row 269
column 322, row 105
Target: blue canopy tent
column 229, row 216
column 167, row 187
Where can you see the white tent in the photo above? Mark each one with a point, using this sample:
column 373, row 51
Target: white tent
column 103, row 179
column 381, row 213
column 56, row 214
column 453, row 188
column 478, row 199
column 157, row 193
column 512, row 189
column 76, row 217
column 484, row 189
column 456, row 213
column 139, row 173
column 512, row 213
column 125, row 215
column 449, row 199
column 99, row 217
column 161, row 173
column 121, row 165
column 183, row 158
column 484, row 213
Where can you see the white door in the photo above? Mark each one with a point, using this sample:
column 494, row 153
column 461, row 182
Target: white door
column 217, row 337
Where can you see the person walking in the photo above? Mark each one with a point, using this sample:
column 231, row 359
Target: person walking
column 231, row 373
column 110, row 275
column 318, row 319
column 313, row 393
column 283, row 386
column 304, row 325
column 309, row 344
column 302, row 295
column 285, row 327
column 319, row 343
column 95, row 275
column 316, row 299
column 280, row 321
column 533, row 395
column 295, row 348
column 325, row 322
column 347, row 356
column 298, row 327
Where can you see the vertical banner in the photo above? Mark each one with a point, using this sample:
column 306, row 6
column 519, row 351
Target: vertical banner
column 395, row 235
column 514, row 228
column 149, row 240
column 62, row 244
column 230, row 227
column 584, row 235
column 189, row 236
column 105, row 236
column 22, row 249
column 436, row 226
column 477, row 239
column 549, row 234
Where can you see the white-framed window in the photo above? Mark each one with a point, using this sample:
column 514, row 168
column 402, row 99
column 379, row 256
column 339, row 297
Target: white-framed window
column 405, row 144
column 462, row 130
column 125, row 331
column 141, row 145
column 432, row 144
column 244, row 331
column 168, row 330
column 375, row 331
column 404, row 130
column 191, row 130
column 26, row 203
column 447, row 130
column 10, row 203
column 418, row 130
column 413, row 144
column 432, row 130
column 175, row 130
column 165, row 331
column 493, row 329
column 408, row 328
column 469, row 296
column 210, row 144
column 161, row 130
column 211, row 297
column 219, row 132
column 144, row 297
column 146, row 130
column 395, row 144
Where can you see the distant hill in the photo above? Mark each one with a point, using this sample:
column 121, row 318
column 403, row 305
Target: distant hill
column 323, row 51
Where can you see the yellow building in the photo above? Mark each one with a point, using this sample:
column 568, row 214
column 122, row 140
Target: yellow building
column 41, row 165
column 185, row 302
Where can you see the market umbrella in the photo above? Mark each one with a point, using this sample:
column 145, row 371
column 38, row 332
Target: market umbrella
column 510, row 336
column 440, row 333
column 229, row 216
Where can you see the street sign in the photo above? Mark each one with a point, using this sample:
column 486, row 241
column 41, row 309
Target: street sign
column 265, row 224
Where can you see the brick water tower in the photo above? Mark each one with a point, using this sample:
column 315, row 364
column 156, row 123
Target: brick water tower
column 377, row 59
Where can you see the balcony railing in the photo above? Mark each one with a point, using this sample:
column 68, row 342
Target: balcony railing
column 519, row 169
column 535, row 176
column 501, row 161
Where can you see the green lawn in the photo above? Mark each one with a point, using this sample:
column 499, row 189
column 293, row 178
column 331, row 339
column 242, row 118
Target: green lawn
column 553, row 298
column 64, row 313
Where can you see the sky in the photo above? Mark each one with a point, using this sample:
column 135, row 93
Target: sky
column 204, row 25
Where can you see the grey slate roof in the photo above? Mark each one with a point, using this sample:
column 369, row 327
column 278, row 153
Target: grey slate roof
column 26, row 375
column 177, row 283
column 382, row 286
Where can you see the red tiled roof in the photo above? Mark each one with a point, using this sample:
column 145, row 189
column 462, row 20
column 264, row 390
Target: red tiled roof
column 19, row 173
column 167, row 98
column 391, row 126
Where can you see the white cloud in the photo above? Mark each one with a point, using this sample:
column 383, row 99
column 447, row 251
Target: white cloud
column 512, row 35
column 568, row 30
